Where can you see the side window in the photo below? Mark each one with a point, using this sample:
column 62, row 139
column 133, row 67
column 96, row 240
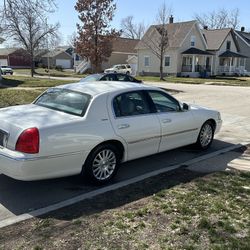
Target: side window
column 193, row 38
column 121, row 77
column 164, row 102
column 109, row 77
column 146, row 61
column 130, row 104
column 167, row 61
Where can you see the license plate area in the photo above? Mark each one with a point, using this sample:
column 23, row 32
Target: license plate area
column 3, row 138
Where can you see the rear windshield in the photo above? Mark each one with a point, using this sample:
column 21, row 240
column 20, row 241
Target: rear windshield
column 64, row 100
column 91, row 78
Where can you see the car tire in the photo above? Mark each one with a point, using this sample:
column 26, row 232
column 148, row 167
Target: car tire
column 102, row 164
column 206, row 136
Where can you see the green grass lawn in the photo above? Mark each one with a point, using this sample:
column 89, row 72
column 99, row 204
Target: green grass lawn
column 10, row 97
column 23, row 81
column 52, row 72
column 231, row 81
column 178, row 210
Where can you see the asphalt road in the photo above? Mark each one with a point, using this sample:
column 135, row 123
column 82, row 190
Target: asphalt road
column 17, row 197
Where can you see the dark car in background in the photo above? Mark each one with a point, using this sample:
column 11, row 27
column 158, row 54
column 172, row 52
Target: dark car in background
column 110, row 77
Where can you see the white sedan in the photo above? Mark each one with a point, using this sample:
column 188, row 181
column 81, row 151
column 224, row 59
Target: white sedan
column 89, row 129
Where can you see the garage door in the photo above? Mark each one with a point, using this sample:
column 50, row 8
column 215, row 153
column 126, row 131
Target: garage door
column 65, row 63
column 3, row 62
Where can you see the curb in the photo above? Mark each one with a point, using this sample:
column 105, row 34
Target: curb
column 71, row 201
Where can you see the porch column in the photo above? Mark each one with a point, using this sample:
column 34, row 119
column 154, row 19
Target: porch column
column 212, row 62
column 193, row 64
column 230, row 65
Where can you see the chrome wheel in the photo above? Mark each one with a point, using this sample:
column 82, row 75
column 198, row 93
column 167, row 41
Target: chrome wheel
column 206, row 135
column 104, row 164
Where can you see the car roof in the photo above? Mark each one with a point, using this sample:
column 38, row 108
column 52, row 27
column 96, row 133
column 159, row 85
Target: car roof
column 101, row 87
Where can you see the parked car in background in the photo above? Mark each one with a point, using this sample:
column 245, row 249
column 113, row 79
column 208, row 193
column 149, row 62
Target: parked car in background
column 110, row 77
column 6, row 70
column 119, row 68
column 89, row 129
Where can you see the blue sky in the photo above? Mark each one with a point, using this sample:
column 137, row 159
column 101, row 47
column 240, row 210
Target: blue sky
column 146, row 10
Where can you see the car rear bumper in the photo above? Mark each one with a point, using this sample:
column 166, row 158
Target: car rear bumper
column 27, row 168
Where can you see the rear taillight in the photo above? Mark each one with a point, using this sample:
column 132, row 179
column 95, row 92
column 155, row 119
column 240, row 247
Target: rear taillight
column 28, row 141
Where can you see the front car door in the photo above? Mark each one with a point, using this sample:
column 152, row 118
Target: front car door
column 133, row 120
column 178, row 126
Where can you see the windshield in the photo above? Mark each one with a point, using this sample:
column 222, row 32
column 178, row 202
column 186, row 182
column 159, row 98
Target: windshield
column 91, row 78
column 64, row 100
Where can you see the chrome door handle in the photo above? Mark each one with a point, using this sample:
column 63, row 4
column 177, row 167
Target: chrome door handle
column 123, row 126
column 166, row 120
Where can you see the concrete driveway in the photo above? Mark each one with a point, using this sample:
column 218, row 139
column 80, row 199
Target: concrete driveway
column 18, row 197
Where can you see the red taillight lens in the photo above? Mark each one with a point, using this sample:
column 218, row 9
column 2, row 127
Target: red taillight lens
column 28, row 141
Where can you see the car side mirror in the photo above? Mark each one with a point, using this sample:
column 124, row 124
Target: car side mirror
column 185, row 107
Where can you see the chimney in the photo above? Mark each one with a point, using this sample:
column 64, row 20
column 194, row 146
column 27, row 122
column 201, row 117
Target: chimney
column 171, row 19
column 242, row 29
column 205, row 27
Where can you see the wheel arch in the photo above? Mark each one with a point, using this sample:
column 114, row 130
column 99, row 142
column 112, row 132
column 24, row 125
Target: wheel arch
column 213, row 122
column 118, row 144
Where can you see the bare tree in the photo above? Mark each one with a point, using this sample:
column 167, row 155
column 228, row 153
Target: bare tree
column 71, row 41
column 159, row 43
column 219, row 19
column 25, row 21
column 132, row 30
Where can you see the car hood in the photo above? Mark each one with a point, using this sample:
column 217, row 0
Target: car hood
column 6, row 68
column 31, row 115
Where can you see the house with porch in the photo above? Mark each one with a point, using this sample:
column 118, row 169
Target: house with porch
column 186, row 54
column 243, row 39
column 191, row 52
column 228, row 60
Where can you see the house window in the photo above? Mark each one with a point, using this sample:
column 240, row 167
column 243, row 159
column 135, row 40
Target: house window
column 228, row 45
column 193, row 38
column 146, row 61
column 167, row 61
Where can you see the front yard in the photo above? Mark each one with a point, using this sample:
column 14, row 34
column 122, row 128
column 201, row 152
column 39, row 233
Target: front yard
column 25, row 81
column 51, row 72
column 176, row 210
column 230, row 81
column 27, row 89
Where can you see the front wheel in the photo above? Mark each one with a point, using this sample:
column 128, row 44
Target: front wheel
column 102, row 164
column 206, row 136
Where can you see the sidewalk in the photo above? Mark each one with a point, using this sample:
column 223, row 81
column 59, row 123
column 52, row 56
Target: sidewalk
column 238, row 159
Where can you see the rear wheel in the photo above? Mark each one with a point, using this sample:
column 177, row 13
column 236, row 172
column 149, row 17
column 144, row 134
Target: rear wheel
column 206, row 135
column 102, row 164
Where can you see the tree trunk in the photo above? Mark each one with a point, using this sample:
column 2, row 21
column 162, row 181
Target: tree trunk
column 32, row 68
column 161, row 68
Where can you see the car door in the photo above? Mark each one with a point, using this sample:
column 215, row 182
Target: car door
column 178, row 126
column 133, row 120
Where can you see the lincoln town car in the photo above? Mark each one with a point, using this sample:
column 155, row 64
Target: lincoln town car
column 90, row 129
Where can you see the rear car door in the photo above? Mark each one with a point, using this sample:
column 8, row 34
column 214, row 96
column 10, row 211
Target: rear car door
column 133, row 120
column 178, row 127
